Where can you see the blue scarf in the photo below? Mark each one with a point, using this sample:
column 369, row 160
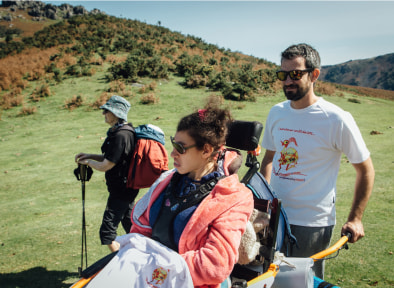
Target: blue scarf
column 184, row 186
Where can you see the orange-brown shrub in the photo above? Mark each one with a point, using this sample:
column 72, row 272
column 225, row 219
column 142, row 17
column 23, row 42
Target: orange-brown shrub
column 44, row 91
column 115, row 59
column 36, row 74
column 40, row 92
column 66, row 60
column 364, row 91
column 30, row 64
column 197, row 81
column 74, row 102
column 96, row 60
column 5, row 81
column 11, row 99
column 20, row 83
column 90, row 72
column 277, row 86
column 116, row 86
column 325, row 88
column 152, row 86
column 127, row 93
column 27, row 111
column 101, row 100
column 149, row 98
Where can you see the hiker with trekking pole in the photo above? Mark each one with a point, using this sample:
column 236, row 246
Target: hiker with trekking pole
column 114, row 161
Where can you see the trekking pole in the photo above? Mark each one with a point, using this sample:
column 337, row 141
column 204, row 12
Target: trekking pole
column 84, row 244
column 83, row 173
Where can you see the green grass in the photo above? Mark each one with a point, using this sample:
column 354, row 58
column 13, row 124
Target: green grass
column 41, row 207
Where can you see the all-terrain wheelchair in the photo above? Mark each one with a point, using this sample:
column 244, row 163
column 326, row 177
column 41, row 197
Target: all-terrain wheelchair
column 265, row 269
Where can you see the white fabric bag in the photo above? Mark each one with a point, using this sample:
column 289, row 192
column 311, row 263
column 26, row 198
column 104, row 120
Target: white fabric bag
column 143, row 262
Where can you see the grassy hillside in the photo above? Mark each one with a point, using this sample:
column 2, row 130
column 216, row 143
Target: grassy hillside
column 76, row 46
column 128, row 50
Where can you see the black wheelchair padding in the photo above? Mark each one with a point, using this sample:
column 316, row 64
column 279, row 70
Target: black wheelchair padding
column 244, row 135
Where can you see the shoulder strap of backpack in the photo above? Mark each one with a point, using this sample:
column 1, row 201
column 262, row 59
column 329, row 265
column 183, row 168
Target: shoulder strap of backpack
column 198, row 195
column 172, row 205
column 128, row 128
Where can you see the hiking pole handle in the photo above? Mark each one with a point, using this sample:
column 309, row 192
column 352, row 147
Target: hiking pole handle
column 83, row 172
column 82, row 169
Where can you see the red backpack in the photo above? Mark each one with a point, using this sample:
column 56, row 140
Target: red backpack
column 149, row 158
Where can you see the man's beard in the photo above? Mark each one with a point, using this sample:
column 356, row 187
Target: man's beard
column 298, row 94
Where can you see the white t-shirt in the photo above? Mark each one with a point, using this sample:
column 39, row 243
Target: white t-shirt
column 309, row 143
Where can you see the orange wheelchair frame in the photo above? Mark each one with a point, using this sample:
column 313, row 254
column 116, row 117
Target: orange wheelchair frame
column 266, row 280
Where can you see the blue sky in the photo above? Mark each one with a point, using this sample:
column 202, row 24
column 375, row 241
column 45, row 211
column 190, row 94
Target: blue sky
column 339, row 30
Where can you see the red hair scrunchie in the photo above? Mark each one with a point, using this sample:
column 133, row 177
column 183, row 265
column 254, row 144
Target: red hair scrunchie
column 201, row 114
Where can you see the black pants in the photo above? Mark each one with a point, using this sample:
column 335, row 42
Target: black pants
column 117, row 211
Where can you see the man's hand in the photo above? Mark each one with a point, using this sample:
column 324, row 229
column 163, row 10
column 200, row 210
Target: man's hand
column 355, row 228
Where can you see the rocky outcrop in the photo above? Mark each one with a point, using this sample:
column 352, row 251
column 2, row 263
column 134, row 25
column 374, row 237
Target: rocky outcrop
column 39, row 10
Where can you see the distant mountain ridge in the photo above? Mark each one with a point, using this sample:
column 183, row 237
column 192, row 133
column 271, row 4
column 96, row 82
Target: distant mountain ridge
column 376, row 72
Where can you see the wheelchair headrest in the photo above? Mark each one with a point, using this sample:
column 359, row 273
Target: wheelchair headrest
column 244, row 135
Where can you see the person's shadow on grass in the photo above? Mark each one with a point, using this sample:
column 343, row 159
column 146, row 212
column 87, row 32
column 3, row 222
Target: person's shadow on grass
column 37, row 277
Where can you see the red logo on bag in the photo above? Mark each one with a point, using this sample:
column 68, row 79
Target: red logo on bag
column 159, row 275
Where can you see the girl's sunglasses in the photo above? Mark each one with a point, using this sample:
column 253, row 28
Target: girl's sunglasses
column 179, row 147
column 294, row 75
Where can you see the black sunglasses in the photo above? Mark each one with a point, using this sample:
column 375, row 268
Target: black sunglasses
column 294, row 75
column 179, row 147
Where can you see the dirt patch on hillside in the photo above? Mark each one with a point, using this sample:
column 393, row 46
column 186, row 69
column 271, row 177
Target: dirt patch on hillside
column 22, row 20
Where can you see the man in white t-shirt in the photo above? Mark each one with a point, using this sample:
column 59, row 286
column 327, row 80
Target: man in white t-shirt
column 304, row 139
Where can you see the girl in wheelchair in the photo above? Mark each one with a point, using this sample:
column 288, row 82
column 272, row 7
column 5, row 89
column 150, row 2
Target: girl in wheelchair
column 198, row 209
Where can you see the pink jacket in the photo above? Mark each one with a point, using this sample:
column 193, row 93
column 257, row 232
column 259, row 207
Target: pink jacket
column 209, row 243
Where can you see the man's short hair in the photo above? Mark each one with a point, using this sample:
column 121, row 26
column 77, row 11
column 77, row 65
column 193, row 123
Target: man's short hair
column 311, row 56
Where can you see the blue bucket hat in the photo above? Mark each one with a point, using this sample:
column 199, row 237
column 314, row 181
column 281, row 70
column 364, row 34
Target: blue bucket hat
column 118, row 106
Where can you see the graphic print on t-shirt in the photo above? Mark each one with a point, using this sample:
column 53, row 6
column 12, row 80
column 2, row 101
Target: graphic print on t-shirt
column 288, row 160
column 288, row 155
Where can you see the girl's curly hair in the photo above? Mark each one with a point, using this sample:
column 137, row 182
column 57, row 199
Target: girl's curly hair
column 208, row 125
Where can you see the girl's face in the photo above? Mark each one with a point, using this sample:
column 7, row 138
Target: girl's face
column 193, row 161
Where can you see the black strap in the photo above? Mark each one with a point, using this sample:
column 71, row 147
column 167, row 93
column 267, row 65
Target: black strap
column 129, row 127
column 97, row 266
column 162, row 230
column 325, row 284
